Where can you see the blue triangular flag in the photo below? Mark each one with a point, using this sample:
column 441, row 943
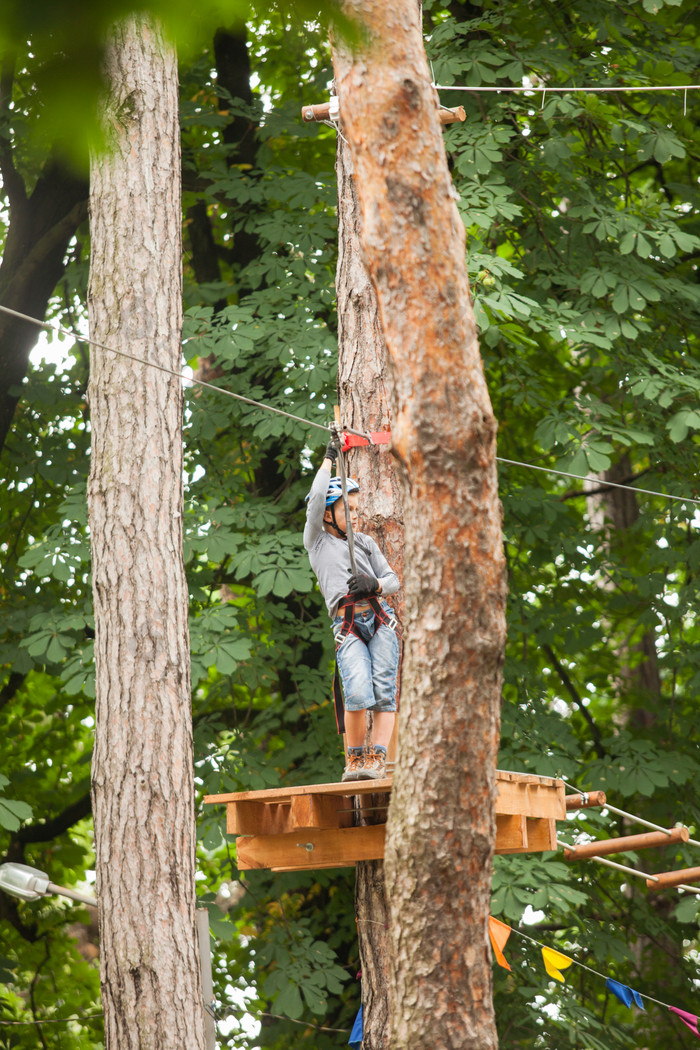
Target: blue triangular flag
column 625, row 994
column 355, row 1039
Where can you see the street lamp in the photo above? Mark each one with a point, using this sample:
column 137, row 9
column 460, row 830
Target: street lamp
column 29, row 884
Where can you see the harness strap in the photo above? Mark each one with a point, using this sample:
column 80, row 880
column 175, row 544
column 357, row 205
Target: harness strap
column 348, row 627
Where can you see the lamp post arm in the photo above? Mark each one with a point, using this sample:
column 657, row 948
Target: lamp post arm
column 74, row 896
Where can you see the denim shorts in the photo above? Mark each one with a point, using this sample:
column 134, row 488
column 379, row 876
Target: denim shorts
column 368, row 666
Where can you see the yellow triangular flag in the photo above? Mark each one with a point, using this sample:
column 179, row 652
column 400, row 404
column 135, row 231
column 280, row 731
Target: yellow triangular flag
column 499, row 934
column 554, row 962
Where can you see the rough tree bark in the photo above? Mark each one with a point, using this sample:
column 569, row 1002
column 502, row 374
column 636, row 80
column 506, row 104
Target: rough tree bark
column 441, row 830
column 143, row 790
column 364, row 405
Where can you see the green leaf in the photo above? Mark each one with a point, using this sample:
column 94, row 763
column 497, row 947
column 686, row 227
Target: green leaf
column 13, row 813
column 621, row 299
column 688, row 909
column 223, row 929
column 288, row 1001
column 315, row 999
column 678, row 427
column 627, row 243
column 667, row 246
column 642, row 246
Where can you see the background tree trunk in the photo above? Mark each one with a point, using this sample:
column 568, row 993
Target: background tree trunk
column 441, row 832
column 143, row 790
column 41, row 225
column 364, row 405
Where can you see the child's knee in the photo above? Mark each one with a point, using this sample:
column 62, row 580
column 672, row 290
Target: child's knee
column 386, row 705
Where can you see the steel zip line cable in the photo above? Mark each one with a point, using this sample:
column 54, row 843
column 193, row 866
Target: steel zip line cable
column 559, row 90
column 172, row 372
column 599, row 481
column 323, row 426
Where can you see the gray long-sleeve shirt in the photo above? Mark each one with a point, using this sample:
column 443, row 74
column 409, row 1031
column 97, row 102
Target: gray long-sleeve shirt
column 330, row 556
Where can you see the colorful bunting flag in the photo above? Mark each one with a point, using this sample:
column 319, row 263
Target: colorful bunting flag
column 355, row 1040
column 689, row 1020
column 499, row 934
column 554, row 962
column 624, row 993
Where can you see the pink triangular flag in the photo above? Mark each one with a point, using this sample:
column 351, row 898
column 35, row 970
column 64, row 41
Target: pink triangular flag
column 690, row 1020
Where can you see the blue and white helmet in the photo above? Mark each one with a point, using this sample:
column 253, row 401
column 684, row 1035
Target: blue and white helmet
column 335, row 490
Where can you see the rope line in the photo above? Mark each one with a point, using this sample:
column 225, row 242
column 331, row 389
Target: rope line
column 583, row 966
column 633, row 871
column 513, row 89
column 634, row 818
column 319, row 426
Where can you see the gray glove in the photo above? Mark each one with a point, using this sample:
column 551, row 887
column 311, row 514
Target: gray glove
column 331, row 452
column 362, row 586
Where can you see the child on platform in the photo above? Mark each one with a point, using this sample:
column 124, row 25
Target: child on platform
column 367, row 651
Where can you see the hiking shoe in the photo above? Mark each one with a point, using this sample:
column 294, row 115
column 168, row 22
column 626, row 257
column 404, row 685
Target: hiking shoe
column 375, row 764
column 354, row 768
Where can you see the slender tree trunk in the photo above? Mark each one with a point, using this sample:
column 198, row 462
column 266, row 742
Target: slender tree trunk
column 143, row 790
column 364, row 405
column 363, row 382
column 442, row 825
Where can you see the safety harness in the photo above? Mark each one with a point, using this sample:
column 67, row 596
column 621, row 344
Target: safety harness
column 348, row 603
column 347, row 609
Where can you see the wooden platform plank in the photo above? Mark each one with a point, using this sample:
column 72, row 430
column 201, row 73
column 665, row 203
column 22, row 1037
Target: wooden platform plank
column 531, row 799
column 275, row 825
column 511, row 832
column 321, row 811
column 336, row 847
column 256, row 818
column 280, row 794
column 541, row 836
column 516, row 793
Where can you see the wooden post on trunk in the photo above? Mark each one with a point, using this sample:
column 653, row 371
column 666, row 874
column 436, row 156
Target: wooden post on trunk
column 441, row 831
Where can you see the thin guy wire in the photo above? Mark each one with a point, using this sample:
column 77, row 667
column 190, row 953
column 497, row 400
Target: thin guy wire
column 54, row 1020
column 307, row 422
column 512, row 89
column 231, row 1011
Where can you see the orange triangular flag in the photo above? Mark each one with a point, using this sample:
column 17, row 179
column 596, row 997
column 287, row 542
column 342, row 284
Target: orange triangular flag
column 554, row 962
column 499, row 934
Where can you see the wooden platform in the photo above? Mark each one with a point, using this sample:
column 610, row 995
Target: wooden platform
column 303, row 828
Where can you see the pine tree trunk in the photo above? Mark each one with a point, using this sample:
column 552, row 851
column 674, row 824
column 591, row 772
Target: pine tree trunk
column 442, row 824
column 364, row 405
column 143, row 789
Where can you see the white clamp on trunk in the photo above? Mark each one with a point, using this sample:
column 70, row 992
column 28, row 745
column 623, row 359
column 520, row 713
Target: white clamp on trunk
column 323, row 111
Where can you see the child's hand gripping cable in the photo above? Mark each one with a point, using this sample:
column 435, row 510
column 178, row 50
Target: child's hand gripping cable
column 362, row 585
